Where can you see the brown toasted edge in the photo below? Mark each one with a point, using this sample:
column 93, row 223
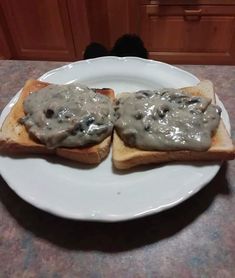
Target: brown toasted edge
column 135, row 157
column 91, row 155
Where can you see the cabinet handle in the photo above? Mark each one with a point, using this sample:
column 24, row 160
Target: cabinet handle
column 193, row 15
column 152, row 10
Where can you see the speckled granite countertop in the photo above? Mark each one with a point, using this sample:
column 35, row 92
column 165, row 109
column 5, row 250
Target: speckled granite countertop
column 194, row 239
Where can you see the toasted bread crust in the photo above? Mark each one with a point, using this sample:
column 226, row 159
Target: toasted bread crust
column 222, row 147
column 14, row 138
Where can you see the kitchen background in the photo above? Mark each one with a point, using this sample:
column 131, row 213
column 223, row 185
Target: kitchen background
column 174, row 31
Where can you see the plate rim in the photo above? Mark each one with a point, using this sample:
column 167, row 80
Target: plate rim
column 116, row 58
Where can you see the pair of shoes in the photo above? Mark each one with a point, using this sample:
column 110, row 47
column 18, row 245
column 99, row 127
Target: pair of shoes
column 126, row 45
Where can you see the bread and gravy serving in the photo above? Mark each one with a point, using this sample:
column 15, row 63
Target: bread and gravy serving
column 76, row 122
column 169, row 125
column 71, row 121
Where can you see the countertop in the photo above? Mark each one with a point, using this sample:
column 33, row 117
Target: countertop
column 193, row 239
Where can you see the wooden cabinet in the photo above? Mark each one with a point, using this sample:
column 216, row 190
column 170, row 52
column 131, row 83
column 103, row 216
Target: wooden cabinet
column 5, row 52
column 189, row 33
column 4, row 48
column 178, row 31
column 39, row 29
column 174, row 31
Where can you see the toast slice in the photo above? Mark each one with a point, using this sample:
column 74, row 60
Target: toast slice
column 14, row 138
column 222, row 147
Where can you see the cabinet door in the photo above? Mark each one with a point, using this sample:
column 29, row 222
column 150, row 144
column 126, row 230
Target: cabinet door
column 189, row 35
column 5, row 52
column 107, row 20
column 39, row 29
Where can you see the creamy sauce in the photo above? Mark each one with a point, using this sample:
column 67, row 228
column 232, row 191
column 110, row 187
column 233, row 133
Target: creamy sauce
column 68, row 115
column 166, row 119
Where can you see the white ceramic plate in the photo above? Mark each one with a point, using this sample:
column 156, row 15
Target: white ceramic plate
column 101, row 193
